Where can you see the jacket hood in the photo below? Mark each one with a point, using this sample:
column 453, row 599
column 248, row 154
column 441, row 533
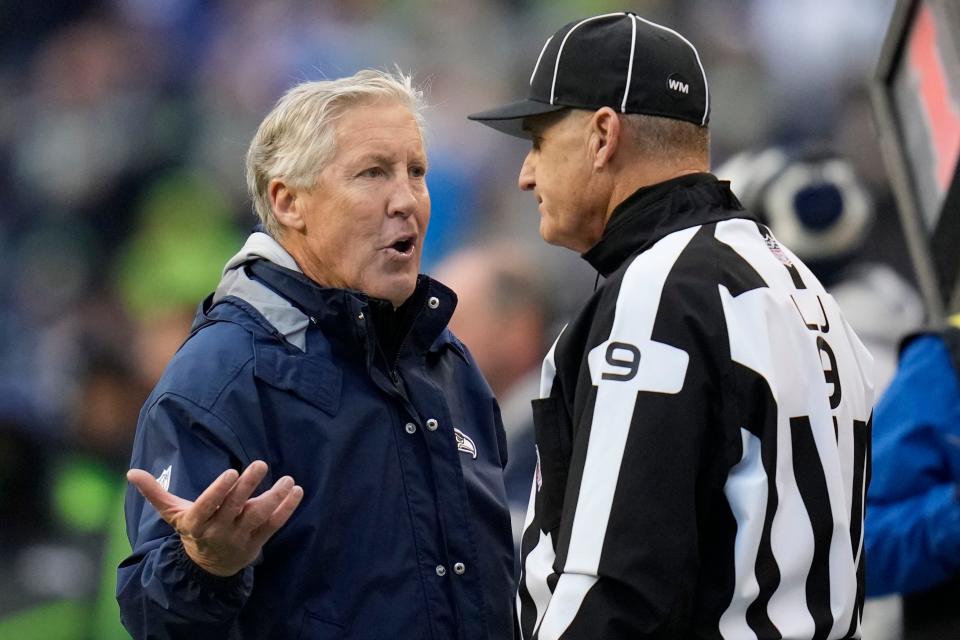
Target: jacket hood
column 290, row 321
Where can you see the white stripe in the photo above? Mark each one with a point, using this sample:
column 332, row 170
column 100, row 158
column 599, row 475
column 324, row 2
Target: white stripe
column 539, row 562
column 564, row 604
column 536, row 570
column 549, row 369
column 633, row 46
column 537, row 66
column 556, row 65
column 662, row 369
column 863, row 501
column 706, row 87
column 746, row 490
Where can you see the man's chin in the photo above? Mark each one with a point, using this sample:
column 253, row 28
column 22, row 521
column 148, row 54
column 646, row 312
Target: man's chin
column 566, row 241
column 546, row 231
column 549, row 234
column 396, row 292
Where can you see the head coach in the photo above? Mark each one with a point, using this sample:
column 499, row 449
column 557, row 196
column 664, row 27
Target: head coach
column 703, row 424
column 322, row 458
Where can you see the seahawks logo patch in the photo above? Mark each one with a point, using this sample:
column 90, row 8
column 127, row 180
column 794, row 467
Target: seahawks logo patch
column 164, row 478
column 464, row 443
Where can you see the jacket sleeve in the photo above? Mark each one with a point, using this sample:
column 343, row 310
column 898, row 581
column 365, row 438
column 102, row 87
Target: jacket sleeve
column 162, row 592
column 912, row 536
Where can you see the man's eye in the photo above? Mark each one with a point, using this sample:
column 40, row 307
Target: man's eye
column 373, row 172
column 418, row 172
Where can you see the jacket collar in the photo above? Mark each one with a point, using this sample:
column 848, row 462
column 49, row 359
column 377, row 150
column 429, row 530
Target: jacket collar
column 658, row 210
column 343, row 312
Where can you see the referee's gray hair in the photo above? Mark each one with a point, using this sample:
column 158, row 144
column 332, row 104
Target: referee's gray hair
column 297, row 138
column 658, row 137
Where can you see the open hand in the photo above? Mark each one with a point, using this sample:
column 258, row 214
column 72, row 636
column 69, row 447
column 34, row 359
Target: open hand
column 224, row 529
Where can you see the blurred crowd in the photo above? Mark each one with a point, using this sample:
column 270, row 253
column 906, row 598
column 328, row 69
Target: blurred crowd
column 123, row 127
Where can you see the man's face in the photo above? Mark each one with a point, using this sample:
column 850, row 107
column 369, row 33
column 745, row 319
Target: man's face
column 366, row 218
column 557, row 169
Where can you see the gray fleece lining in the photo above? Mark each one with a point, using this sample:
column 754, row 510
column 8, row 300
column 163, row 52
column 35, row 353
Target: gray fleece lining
column 285, row 318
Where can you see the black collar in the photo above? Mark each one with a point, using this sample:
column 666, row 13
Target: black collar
column 655, row 211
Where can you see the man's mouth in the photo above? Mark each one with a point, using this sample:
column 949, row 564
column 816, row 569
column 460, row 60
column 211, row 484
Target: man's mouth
column 403, row 246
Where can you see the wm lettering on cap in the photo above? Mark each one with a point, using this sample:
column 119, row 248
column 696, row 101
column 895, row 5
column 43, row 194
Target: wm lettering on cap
column 677, row 85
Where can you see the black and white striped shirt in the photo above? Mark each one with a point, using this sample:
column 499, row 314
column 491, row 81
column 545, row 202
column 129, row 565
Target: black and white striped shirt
column 703, row 439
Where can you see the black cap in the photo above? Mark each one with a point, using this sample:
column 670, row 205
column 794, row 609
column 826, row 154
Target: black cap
column 616, row 60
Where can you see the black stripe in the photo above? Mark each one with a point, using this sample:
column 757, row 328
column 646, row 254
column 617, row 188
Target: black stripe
column 862, row 455
column 552, row 581
column 737, row 275
column 582, row 427
column 812, row 483
column 766, row 569
column 528, row 614
column 858, row 607
column 860, row 462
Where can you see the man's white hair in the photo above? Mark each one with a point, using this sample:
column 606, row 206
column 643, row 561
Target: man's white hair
column 297, row 138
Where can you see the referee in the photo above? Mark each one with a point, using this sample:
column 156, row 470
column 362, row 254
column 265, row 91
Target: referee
column 703, row 425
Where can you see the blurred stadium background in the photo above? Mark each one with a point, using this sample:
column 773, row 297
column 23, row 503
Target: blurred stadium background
column 123, row 126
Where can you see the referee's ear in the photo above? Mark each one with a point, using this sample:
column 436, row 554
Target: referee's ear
column 605, row 137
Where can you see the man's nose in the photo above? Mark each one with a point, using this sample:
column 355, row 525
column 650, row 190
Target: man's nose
column 526, row 181
column 403, row 198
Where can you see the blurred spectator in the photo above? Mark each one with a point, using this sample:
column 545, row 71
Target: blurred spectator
column 59, row 500
column 183, row 236
column 913, row 516
column 59, row 554
column 504, row 315
column 24, row 502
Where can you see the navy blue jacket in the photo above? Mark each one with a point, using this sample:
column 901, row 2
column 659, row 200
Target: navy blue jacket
column 403, row 531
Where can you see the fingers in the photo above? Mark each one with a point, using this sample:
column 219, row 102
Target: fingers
column 280, row 515
column 166, row 504
column 258, row 510
column 206, row 505
column 250, row 479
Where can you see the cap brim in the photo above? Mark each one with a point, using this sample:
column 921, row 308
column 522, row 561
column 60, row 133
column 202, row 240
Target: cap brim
column 509, row 118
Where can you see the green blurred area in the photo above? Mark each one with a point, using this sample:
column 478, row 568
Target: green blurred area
column 184, row 236
column 99, row 617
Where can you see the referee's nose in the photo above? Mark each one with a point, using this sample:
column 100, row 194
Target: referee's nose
column 527, row 180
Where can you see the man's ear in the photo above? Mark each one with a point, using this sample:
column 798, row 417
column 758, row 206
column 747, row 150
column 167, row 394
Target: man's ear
column 283, row 201
column 605, row 137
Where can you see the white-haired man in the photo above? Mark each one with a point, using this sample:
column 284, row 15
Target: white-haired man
column 322, row 374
